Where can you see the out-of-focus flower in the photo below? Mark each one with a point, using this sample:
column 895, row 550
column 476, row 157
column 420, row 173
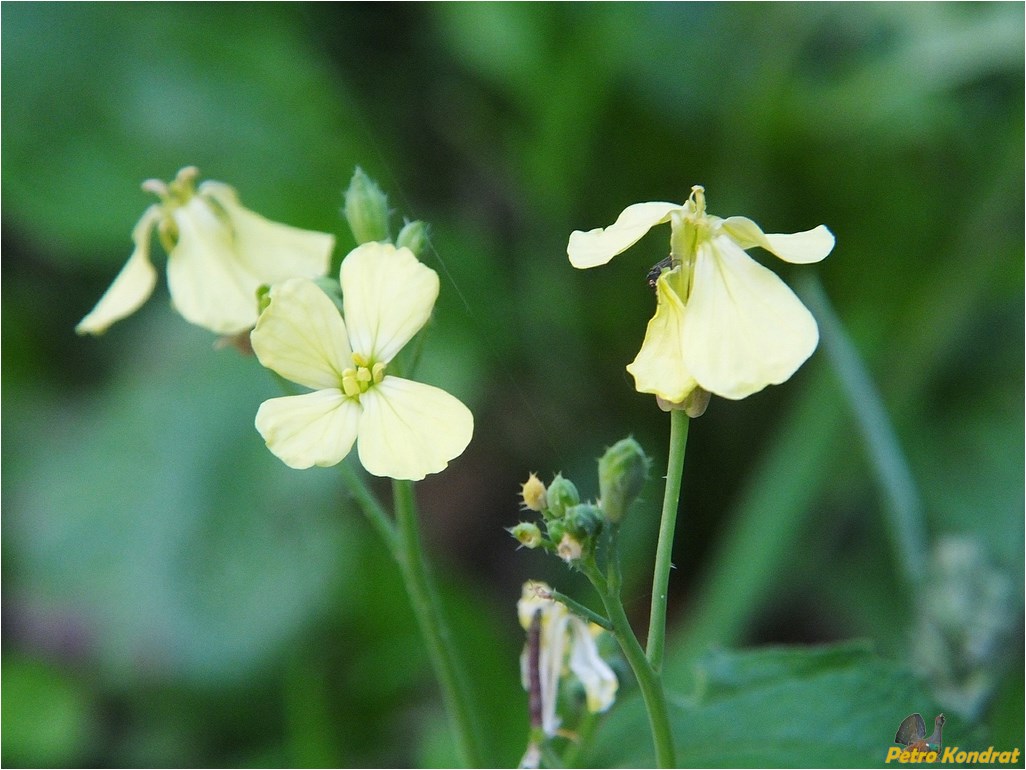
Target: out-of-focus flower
column 564, row 638
column 723, row 323
column 219, row 254
column 404, row 429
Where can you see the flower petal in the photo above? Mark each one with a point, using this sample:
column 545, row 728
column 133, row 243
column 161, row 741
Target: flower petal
column 271, row 251
column 596, row 247
column 210, row 285
column 659, row 366
column 387, row 296
column 301, row 335
column 316, row 428
column 799, row 248
column 132, row 286
column 409, row 429
column 745, row 329
column 600, row 683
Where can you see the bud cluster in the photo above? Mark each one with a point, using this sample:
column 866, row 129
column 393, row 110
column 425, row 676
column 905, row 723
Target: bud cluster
column 571, row 528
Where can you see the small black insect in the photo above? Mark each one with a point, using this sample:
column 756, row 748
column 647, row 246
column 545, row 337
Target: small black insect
column 657, row 269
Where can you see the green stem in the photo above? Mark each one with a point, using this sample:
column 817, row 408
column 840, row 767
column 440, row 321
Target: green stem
column 580, row 610
column 428, row 611
column 664, row 550
column 371, row 508
column 649, row 681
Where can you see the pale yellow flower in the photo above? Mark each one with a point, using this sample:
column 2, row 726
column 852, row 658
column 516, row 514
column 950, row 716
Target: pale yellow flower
column 723, row 322
column 565, row 639
column 219, row 254
column 404, row 429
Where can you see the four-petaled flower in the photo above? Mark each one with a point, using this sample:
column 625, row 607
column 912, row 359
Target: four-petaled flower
column 219, row 254
column 562, row 636
column 404, row 429
column 724, row 323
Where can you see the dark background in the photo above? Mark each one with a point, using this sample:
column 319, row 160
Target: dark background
column 174, row 595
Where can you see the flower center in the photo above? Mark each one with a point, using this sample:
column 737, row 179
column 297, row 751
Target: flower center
column 359, row 379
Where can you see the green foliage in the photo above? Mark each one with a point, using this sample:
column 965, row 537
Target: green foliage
column 170, row 570
column 830, row 706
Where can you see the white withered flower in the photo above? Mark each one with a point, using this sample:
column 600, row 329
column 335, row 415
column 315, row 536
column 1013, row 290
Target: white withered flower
column 218, row 254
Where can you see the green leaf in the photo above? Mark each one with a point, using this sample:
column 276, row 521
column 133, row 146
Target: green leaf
column 829, row 706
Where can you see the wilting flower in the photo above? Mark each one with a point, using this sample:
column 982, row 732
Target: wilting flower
column 723, row 323
column 219, row 254
column 404, row 429
column 563, row 638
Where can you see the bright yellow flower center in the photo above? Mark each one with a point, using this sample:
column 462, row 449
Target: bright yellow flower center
column 358, row 380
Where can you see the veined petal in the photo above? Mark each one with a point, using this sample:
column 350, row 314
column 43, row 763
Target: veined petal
column 210, row 285
column 745, row 329
column 133, row 284
column 596, row 247
column 600, row 683
column 316, row 428
column 271, row 251
column 409, row 429
column 301, row 336
column 387, row 297
column 799, row 248
column 659, row 367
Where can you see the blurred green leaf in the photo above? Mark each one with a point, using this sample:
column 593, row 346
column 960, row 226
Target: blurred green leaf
column 830, row 706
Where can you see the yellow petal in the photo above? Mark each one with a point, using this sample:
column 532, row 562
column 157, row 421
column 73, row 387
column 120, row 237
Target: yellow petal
column 596, row 247
column 225, row 253
column 312, row 429
column 600, row 683
column 799, row 248
column 745, row 329
column 132, row 286
column 271, row 251
column 409, row 429
column 387, row 297
column 659, row 367
column 301, row 336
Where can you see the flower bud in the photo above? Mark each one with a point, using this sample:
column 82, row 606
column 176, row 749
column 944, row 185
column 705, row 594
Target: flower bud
column 527, row 534
column 562, row 494
column 366, row 209
column 570, row 548
column 622, row 473
column 533, row 493
column 584, row 520
column 413, row 236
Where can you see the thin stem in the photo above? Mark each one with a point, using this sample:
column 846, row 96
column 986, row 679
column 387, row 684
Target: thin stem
column 664, row 550
column 649, row 681
column 579, row 609
column 428, row 611
column 371, row 508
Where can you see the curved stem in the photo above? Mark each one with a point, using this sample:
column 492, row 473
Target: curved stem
column 371, row 508
column 664, row 551
column 428, row 611
column 649, row 681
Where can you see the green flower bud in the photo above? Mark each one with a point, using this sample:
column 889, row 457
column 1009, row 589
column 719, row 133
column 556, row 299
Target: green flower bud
column 622, row 473
column 413, row 236
column 556, row 529
column 527, row 533
column 584, row 520
column 366, row 209
column 562, row 494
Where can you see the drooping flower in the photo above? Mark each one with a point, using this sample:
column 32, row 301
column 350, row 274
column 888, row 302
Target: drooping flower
column 564, row 639
column 219, row 254
column 403, row 429
column 723, row 323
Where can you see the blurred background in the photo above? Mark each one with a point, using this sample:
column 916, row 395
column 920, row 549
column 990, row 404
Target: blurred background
column 173, row 595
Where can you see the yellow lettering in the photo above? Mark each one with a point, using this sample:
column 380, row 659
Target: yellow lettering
column 960, row 757
column 972, row 757
column 892, row 753
column 929, row 756
column 949, row 754
column 1015, row 755
column 987, row 756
